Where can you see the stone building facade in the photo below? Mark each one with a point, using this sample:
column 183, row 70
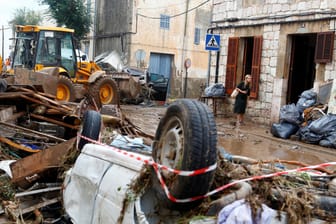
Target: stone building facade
column 287, row 46
column 158, row 36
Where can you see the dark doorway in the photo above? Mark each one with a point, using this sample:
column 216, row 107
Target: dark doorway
column 159, row 74
column 248, row 55
column 302, row 66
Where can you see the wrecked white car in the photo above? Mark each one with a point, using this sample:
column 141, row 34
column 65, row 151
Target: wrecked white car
column 109, row 185
column 130, row 186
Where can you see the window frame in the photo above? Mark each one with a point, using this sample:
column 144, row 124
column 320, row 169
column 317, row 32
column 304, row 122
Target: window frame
column 197, row 36
column 165, row 22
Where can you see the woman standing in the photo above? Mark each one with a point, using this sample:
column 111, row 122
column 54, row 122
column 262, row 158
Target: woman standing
column 243, row 89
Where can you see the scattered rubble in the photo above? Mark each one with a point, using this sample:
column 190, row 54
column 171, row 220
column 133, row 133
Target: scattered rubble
column 39, row 138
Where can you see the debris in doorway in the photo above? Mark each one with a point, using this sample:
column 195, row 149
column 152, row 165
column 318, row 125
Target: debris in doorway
column 308, row 121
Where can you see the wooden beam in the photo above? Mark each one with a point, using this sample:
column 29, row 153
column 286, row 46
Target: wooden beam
column 18, row 146
column 54, row 121
column 32, row 131
column 37, row 163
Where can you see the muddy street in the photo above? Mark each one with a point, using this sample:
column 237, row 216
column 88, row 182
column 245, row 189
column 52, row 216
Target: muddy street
column 252, row 140
column 247, row 152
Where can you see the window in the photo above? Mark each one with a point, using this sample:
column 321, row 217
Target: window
column 324, row 47
column 197, row 36
column 164, row 22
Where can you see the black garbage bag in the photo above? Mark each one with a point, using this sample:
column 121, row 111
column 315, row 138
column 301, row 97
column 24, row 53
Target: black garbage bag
column 307, row 99
column 216, row 89
column 290, row 114
column 329, row 140
column 308, row 94
column 323, row 125
column 306, row 135
column 284, row 129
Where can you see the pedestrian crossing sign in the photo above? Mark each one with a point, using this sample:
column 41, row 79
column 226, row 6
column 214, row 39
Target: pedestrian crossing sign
column 212, row 42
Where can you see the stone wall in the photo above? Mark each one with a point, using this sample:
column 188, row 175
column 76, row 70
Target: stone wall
column 274, row 20
column 268, row 10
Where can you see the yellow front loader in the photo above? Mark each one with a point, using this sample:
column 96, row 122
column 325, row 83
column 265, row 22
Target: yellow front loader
column 40, row 49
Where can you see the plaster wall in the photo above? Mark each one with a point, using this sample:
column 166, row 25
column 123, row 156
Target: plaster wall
column 133, row 25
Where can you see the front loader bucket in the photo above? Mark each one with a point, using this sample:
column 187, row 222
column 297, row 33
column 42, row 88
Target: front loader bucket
column 44, row 81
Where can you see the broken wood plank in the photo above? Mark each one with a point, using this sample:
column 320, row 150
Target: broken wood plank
column 39, row 162
column 39, row 96
column 54, row 121
column 13, row 95
column 21, row 209
column 43, row 190
column 32, row 131
column 44, row 103
column 17, row 146
column 38, row 205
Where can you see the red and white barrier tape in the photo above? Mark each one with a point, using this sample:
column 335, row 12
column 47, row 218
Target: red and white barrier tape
column 152, row 163
column 172, row 198
column 157, row 167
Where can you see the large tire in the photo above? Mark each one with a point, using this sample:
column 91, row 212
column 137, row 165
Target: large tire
column 186, row 139
column 65, row 89
column 105, row 91
column 90, row 127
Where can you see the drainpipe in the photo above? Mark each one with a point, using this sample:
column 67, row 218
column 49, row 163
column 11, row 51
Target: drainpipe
column 3, row 46
column 209, row 57
column 183, row 50
column 217, row 66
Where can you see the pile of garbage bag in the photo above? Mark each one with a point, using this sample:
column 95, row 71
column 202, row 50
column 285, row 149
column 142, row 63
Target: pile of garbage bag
column 216, row 89
column 308, row 120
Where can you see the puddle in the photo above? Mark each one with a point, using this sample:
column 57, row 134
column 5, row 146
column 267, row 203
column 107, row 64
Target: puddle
column 249, row 140
column 264, row 149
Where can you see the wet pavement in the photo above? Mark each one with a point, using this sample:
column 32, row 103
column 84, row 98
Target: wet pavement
column 251, row 140
column 256, row 141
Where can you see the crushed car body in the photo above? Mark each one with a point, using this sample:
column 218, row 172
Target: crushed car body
column 110, row 185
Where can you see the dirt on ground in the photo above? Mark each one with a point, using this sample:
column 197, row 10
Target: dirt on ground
column 255, row 145
column 250, row 140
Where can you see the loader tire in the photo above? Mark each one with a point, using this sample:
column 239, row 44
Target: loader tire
column 65, row 89
column 105, row 91
column 186, row 139
column 90, row 127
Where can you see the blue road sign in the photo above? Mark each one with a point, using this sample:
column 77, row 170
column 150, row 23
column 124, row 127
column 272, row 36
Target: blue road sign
column 212, row 42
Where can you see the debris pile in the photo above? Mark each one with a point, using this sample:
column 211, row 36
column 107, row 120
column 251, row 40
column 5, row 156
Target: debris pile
column 308, row 120
column 38, row 137
column 39, row 145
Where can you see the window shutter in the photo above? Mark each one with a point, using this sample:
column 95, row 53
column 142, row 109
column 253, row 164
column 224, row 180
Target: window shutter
column 231, row 65
column 256, row 61
column 324, row 47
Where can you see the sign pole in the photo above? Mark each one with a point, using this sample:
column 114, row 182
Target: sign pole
column 187, row 64
column 212, row 43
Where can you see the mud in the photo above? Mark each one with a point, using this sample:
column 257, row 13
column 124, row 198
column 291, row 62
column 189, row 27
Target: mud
column 251, row 140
